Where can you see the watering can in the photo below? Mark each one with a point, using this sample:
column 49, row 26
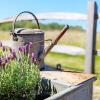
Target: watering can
column 22, row 36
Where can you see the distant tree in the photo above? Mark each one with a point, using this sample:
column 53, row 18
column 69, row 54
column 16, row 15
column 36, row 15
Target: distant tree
column 78, row 28
column 5, row 26
column 30, row 24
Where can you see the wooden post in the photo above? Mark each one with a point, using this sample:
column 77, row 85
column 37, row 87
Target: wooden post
column 91, row 38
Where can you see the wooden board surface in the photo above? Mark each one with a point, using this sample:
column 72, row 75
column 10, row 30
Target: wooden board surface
column 67, row 77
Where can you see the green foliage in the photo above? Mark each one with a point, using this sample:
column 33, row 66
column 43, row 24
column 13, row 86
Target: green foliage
column 30, row 24
column 78, row 28
column 19, row 24
column 19, row 75
column 68, row 62
column 25, row 24
column 51, row 26
column 19, row 81
column 5, row 26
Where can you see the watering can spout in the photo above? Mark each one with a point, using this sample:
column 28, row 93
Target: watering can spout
column 54, row 42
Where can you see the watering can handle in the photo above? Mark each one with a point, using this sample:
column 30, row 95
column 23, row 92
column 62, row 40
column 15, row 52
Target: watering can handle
column 13, row 27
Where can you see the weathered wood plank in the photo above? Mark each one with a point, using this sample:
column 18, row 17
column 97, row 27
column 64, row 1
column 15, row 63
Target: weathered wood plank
column 91, row 37
column 50, row 16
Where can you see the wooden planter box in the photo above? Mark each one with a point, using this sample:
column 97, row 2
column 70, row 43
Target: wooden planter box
column 69, row 91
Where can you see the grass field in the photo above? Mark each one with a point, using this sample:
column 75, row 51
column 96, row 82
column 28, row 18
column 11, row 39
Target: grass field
column 69, row 62
column 75, row 38
column 75, row 63
column 4, row 35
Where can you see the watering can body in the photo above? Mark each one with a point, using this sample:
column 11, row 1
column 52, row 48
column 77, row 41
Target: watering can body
column 22, row 36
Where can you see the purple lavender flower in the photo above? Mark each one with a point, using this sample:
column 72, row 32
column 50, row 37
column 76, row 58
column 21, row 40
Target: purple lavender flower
column 0, row 44
column 14, row 55
column 30, row 44
column 24, row 49
column 6, row 60
column 0, row 61
column 9, row 57
column 21, row 49
column 27, row 47
column 33, row 57
column 11, row 50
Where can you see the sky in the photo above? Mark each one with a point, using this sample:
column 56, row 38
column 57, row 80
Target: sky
column 10, row 8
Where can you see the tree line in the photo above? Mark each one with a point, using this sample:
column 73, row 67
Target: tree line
column 30, row 24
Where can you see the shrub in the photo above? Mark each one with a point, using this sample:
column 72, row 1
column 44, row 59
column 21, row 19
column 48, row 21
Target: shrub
column 19, row 74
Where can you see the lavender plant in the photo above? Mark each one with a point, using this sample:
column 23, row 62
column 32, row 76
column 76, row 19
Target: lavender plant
column 19, row 74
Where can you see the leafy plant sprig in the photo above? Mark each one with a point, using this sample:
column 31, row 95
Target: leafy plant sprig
column 19, row 74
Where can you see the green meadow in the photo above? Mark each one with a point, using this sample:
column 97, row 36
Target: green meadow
column 68, row 62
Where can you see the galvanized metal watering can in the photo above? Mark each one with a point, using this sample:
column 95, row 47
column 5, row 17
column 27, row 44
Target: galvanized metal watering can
column 22, row 36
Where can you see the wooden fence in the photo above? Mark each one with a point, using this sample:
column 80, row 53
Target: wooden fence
column 91, row 18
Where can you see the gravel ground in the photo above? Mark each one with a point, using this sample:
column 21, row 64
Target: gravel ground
column 96, row 93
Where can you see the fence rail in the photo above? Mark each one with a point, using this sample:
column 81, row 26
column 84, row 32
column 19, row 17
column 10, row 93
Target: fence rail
column 50, row 16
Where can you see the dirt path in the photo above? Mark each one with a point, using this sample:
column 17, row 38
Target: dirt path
column 96, row 93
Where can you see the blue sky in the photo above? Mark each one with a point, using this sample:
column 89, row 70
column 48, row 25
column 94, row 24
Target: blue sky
column 10, row 8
